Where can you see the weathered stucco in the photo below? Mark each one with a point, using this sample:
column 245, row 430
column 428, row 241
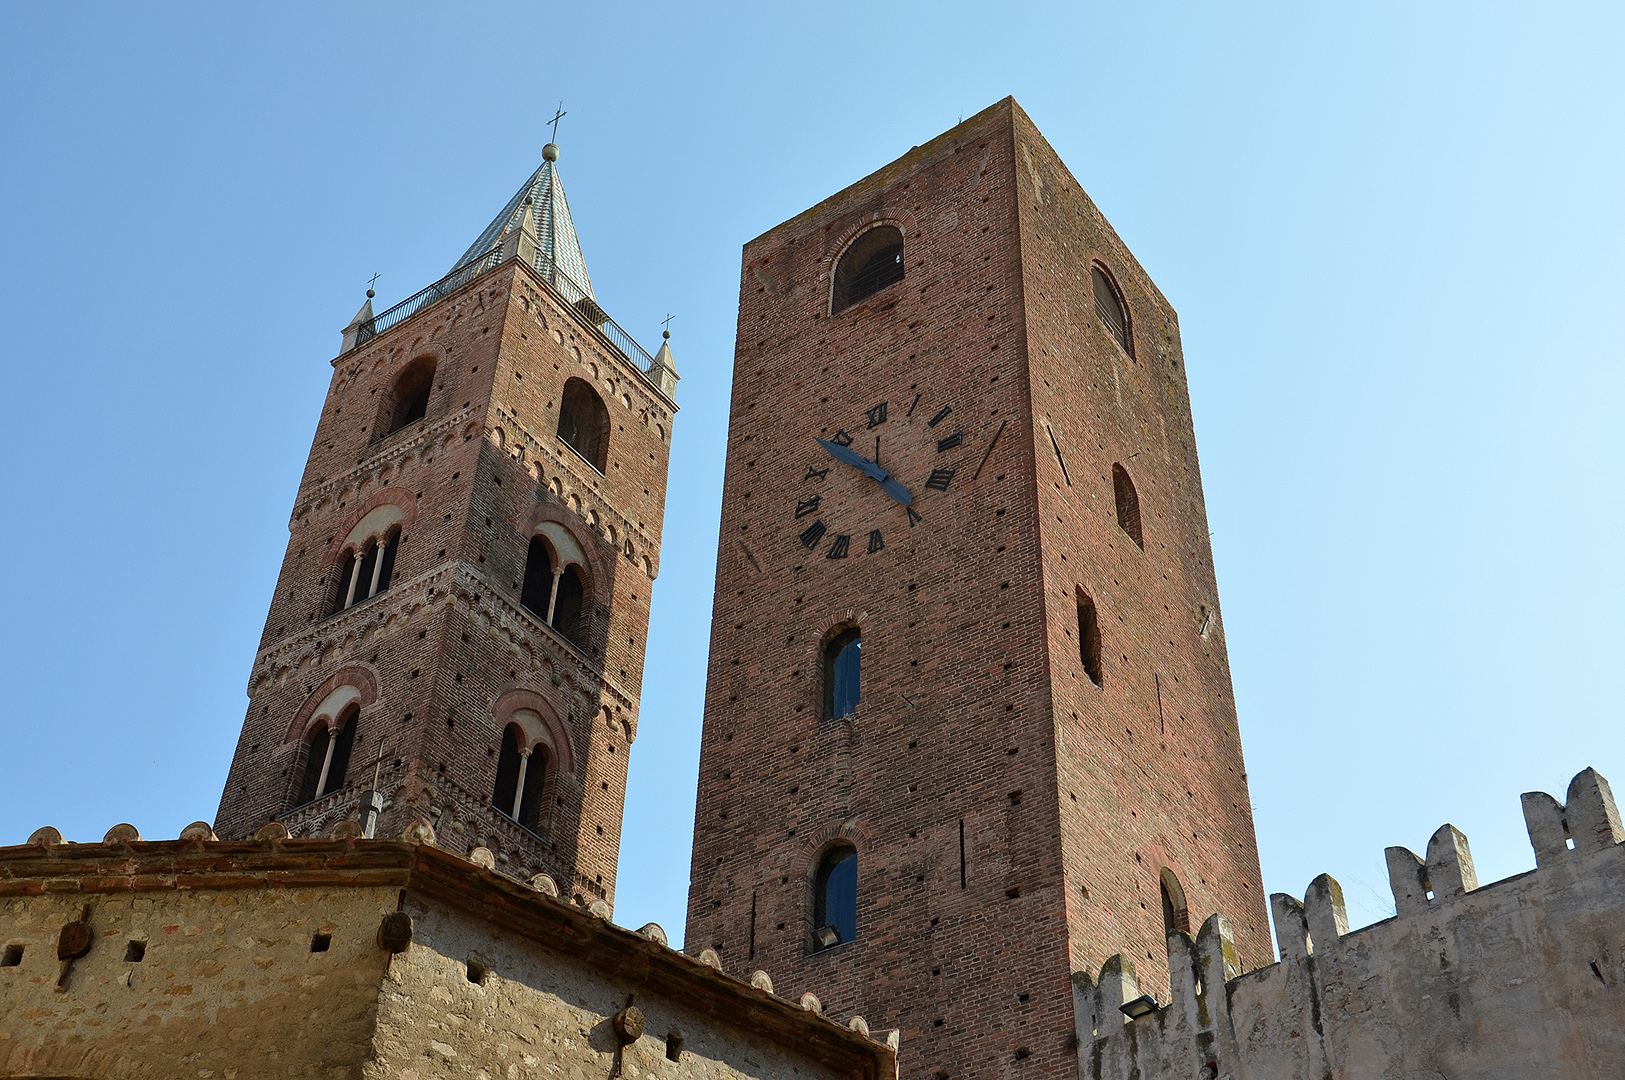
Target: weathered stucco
column 1521, row 978
column 272, row 958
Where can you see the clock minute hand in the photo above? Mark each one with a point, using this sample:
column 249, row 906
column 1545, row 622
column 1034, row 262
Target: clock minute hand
column 857, row 461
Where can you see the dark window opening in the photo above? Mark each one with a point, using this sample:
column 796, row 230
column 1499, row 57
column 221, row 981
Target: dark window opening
column 366, row 573
column 1128, row 505
column 411, row 395
column 12, row 957
column 842, row 661
column 135, row 952
column 521, row 803
column 1089, row 637
column 674, row 1045
column 835, row 900
column 537, row 591
column 1175, row 915
column 874, row 261
column 321, row 942
column 327, row 759
column 584, row 422
column 476, row 971
column 1111, row 309
column 567, row 607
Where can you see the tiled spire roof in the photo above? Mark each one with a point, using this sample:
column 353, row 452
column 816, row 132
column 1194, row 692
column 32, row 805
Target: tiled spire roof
column 557, row 246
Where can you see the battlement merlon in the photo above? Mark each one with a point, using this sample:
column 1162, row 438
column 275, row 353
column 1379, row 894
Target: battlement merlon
column 1524, row 976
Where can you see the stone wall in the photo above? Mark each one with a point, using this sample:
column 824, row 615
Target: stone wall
column 1521, row 978
column 290, row 957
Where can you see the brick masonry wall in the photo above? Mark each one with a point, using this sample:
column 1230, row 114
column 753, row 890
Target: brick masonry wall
column 448, row 638
column 963, row 673
column 1150, row 766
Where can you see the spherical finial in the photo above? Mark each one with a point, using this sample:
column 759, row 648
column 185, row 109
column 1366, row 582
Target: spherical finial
column 371, row 294
column 550, row 152
column 666, row 334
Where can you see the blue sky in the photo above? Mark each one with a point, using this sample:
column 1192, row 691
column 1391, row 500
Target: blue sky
column 1392, row 231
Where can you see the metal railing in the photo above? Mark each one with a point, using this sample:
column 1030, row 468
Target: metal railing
column 574, row 297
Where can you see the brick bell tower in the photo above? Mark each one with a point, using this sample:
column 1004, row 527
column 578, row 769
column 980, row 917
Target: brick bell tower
column 969, row 726
column 458, row 630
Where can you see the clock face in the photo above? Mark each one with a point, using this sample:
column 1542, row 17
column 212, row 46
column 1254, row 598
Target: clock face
column 849, row 497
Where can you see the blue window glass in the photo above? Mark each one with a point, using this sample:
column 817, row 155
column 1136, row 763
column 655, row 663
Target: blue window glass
column 841, row 663
column 835, row 907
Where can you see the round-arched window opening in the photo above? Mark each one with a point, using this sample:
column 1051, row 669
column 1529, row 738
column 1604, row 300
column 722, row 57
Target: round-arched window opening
column 1110, row 307
column 520, row 779
column 835, row 898
column 1175, row 915
column 874, row 261
column 843, row 659
column 327, row 759
column 410, row 397
column 584, row 422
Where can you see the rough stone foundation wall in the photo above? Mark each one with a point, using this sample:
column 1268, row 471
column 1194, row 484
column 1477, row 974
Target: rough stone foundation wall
column 1522, row 978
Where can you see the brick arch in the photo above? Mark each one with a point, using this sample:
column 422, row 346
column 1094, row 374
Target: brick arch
column 854, row 831
column 359, row 677
column 598, row 579
column 505, row 706
column 397, row 496
column 898, row 218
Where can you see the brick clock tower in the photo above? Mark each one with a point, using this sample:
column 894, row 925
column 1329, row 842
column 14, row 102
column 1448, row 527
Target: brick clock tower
column 458, row 629
column 969, row 725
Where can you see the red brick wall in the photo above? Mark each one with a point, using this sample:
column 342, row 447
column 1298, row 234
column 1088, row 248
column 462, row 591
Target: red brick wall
column 964, row 669
column 449, row 637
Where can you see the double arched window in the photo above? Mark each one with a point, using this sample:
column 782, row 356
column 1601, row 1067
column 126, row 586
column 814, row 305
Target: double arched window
column 327, row 757
column 843, row 657
column 871, row 263
column 553, row 588
column 584, row 422
column 835, row 898
column 408, row 400
column 367, row 570
column 521, row 778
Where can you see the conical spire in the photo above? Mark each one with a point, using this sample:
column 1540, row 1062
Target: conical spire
column 557, row 246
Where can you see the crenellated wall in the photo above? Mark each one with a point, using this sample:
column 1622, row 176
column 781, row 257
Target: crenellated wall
column 1521, row 978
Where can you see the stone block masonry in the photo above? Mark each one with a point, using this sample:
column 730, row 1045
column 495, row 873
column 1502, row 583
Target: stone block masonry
column 350, row 958
column 1524, row 977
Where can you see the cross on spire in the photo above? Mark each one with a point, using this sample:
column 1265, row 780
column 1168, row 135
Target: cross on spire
column 560, row 115
column 667, row 323
column 372, row 281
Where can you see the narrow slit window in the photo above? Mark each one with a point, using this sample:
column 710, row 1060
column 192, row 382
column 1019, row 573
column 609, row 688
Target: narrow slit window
column 1089, row 638
column 835, row 899
column 1110, row 307
column 1128, row 505
column 1175, row 915
column 873, row 262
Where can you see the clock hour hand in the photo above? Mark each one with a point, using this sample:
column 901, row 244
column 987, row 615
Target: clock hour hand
column 896, row 490
column 857, row 461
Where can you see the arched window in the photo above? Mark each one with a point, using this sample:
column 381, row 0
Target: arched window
column 327, row 758
column 1175, row 915
column 842, row 659
column 874, row 261
column 1089, row 637
column 366, row 571
column 410, row 396
column 567, row 606
column 584, row 422
column 1128, row 505
column 520, row 779
column 537, row 591
column 1110, row 307
column 835, row 898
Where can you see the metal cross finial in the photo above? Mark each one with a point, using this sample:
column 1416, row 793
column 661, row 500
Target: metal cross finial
column 667, row 323
column 560, row 115
column 372, row 281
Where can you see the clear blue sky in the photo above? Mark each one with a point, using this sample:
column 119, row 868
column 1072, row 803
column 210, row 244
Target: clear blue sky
column 1392, row 231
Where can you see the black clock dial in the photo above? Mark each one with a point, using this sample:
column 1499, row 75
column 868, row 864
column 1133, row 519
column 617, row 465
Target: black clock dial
column 835, row 522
